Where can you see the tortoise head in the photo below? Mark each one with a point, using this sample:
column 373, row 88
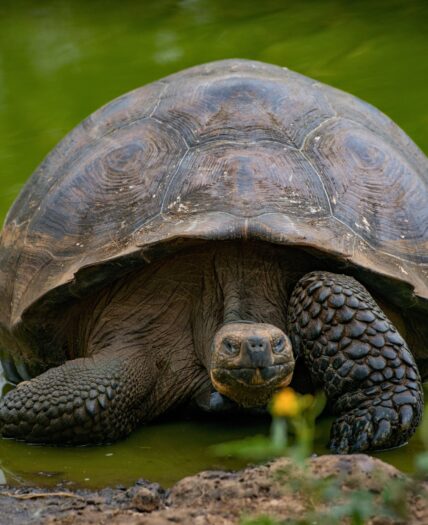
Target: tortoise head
column 250, row 361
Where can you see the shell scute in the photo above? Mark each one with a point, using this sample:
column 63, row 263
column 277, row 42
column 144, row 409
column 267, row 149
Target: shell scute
column 239, row 107
column 246, row 181
column 372, row 189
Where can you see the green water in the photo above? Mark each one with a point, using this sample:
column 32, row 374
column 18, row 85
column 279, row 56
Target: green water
column 163, row 452
column 60, row 60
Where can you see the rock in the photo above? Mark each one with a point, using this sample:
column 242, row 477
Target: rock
column 279, row 489
column 145, row 500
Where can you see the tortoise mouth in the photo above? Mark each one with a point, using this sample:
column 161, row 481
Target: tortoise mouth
column 253, row 376
column 252, row 386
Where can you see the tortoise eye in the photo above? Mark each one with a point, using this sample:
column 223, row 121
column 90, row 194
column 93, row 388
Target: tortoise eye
column 279, row 345
column 230, row 347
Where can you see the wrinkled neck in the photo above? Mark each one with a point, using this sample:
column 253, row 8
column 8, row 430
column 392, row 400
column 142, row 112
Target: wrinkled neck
column 251, row 284
column 231, row 301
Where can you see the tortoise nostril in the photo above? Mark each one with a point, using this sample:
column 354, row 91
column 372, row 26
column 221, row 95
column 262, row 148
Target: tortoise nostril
column 257, row 352
column 257, row 344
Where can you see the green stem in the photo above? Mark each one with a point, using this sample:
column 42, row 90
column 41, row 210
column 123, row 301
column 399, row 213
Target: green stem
column 279, row 433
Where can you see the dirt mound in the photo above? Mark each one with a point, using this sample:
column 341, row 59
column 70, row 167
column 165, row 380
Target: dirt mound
column 278, row 489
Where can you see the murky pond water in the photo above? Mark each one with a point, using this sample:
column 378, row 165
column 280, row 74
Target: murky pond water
column 59, row 61
column 163, row 452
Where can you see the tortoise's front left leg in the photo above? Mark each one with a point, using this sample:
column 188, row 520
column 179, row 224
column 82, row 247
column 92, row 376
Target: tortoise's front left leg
column 87, row 400
column 356, row 355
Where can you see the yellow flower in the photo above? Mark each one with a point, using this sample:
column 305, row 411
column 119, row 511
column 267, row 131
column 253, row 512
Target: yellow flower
column 285, row 404
column 288, row 403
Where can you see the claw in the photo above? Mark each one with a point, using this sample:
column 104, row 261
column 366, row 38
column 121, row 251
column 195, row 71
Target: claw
column 339, row 440
column 406, row 416
column 10, row 371
column 22, row 371
column 91, row 407
column 382, row 433
column 361, row 444
column 342, row 447
column 102, row 400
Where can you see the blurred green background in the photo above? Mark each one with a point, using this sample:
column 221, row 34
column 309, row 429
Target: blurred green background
column 60, row 60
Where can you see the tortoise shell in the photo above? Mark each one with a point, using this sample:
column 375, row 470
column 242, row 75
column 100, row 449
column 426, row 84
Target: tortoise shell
column 233, row 149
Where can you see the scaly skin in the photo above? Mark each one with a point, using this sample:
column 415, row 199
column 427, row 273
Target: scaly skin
column 357, row 356
column 87, row 400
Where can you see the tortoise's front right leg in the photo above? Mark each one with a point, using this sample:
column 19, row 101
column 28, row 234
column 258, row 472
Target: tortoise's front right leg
column 88, row 400
column 356, row 355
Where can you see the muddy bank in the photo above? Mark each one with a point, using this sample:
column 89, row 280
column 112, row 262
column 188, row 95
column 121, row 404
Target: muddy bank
column 222, row 498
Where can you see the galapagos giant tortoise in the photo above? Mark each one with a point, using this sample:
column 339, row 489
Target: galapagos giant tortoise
column 193, row 238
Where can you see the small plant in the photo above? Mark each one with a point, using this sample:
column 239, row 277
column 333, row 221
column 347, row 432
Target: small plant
column 326, row 503
column 292, row 430
column 298, row 412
